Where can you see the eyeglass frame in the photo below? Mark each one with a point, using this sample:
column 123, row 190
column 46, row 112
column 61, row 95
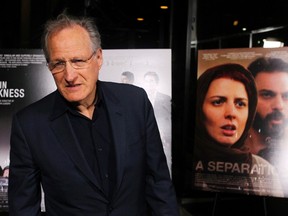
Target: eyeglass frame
column 71, row 61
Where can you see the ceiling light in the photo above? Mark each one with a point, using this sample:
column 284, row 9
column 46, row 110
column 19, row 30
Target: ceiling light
column 272, row 44
column 164, row 7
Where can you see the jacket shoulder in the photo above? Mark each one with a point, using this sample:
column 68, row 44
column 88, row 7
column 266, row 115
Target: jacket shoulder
column 121, row 88
column 42, row 104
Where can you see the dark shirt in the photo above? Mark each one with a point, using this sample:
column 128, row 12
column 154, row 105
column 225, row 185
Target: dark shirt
column 94, row 137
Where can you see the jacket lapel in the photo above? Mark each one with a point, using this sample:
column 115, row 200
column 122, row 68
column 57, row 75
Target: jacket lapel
column 116, row 117
column 62, row 128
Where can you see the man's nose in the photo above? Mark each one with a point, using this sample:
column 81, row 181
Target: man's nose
column 70, row 73
column 278, row 103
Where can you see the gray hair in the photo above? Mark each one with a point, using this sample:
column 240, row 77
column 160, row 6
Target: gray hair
column 64, row 21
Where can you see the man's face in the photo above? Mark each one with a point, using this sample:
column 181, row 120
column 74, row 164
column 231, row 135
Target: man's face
column 150, row 84
column 272, row 108
column 73, row 44
column 125, row 79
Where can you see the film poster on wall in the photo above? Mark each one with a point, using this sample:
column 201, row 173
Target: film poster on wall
column 150, row 69
column 24, row 79
column 258, row 165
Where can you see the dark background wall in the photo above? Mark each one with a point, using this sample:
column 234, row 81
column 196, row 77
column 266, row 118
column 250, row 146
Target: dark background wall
column 186, row 27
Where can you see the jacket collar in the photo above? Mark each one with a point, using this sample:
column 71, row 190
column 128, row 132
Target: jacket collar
column 61, row 126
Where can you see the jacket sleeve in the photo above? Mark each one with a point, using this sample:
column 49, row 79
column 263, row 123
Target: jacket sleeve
column 24, row 192
column 160, row 192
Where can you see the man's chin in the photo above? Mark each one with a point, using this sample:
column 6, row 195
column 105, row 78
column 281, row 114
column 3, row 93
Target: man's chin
column 277, row 131
column 72, row 97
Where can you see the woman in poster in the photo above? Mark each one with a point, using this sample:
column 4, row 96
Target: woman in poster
column 226, row 104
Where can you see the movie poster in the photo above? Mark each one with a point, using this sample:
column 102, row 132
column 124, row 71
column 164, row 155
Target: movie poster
column 241, row 143
column 150, row 69
column 24, row 79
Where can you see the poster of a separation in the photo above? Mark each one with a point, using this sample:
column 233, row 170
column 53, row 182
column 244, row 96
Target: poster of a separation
column 24, row 79
column 241, row 143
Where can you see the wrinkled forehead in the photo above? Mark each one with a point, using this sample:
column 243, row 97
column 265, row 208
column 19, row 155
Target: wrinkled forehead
column 69, row 42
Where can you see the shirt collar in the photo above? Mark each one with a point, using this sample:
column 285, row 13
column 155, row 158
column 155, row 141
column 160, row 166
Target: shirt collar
column 61, row 105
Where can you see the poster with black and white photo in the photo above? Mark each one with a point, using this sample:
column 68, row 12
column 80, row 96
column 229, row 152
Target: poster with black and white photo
column 150, row 69
column 24, row 78
column 241, row 121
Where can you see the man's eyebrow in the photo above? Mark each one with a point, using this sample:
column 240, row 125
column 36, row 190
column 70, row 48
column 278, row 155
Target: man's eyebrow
column 58, row 60
column 266, row 90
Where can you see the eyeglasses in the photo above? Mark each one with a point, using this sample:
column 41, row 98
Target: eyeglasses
column 59, row 66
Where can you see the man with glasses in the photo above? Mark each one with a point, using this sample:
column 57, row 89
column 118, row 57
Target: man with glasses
column 93, row 146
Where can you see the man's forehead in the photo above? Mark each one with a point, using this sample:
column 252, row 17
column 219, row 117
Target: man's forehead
column 276, row 81
column 272, row 79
